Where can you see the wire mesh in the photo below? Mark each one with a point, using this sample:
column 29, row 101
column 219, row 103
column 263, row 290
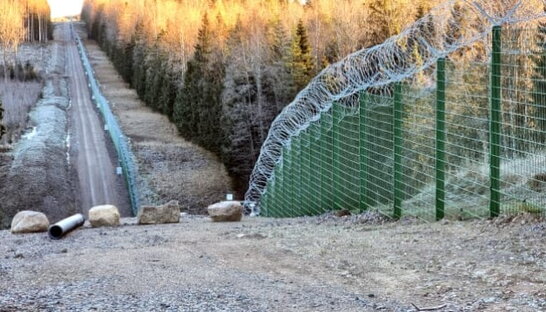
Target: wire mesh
column 462, row 139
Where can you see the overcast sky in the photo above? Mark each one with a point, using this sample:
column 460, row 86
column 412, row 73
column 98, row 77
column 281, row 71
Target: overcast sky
column 65, row 7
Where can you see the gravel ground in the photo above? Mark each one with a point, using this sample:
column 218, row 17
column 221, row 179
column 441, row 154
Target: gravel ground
column 326, row 263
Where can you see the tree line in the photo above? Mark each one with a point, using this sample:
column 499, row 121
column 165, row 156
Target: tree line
column 221, row 70
column 21, row 21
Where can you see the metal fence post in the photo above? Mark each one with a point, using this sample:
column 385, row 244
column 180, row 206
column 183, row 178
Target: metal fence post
column 363, row 152
column 397, row 150
column 495, row 123
column 440, row 137
column 336, row 157
column 289, row 176
column 326, row 165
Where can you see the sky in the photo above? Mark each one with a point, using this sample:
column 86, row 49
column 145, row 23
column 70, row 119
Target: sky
column 65, row 7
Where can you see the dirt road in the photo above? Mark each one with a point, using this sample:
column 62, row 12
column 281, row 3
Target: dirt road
column 95, row 163
column 305, row 264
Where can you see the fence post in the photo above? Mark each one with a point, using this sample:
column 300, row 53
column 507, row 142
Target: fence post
column 440, row 137
column 296, row 158
column 363, row 152
column 289, row 176
column 305, row 172
column 325, row 167
column 335, row 151
column 494, row 123
column 397, row 150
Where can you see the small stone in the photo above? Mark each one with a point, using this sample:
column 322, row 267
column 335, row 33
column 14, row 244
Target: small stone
column 168, row 213
column 105, row 215
column 343, row 213
column 226, row 211
column 29, row 222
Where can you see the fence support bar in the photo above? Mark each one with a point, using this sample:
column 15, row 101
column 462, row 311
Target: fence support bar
column 363, row 152
column 440, row 137
column 495, row 123
column 397, row 150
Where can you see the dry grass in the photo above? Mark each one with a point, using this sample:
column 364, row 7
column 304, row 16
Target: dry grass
column 17, row 98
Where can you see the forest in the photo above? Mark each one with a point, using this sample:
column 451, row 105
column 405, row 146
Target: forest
column 20, row 21
column 222, row 70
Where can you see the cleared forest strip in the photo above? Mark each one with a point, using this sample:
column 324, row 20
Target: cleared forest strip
column 36, row 174
column 169, row 166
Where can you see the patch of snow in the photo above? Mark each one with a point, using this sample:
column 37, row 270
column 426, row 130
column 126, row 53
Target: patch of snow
column 68, row 148
column 30, row 135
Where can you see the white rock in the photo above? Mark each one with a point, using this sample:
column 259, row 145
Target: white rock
column 226, row 211
column 29, row 222
column 105, row 215
column 168, row 213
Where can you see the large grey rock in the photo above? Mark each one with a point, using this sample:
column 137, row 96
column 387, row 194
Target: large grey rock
column 226, row 211
column 29, row 222
column 168, row 213
column 105, row 215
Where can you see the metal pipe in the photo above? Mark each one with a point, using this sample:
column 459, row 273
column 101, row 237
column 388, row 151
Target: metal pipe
column 61, row 228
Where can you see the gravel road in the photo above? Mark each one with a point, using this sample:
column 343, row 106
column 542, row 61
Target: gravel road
column 96, row 165
column 306, row 264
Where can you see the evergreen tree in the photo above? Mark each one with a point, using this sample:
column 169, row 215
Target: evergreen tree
column 138, row 80
column 278, row 77
column 249, row 100
column 2, row 128
column 154, row 78
column 169, row 89
column 197, row 107
column 300, row 61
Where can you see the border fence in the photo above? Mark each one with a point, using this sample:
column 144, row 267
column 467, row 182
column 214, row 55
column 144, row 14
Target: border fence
column 125, row 155
column 464, row 138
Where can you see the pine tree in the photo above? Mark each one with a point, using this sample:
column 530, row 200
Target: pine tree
column 138, row 79
column 300, row 61
column 278, row 77
column 188, row 100
column 2, row 128
column 249, row 99
column 169, row 89
column 197, row 108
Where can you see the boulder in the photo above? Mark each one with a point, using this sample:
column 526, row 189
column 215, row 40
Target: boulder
column 168, row 213
column 105, row 215
column 29, row 222
column 226, row 211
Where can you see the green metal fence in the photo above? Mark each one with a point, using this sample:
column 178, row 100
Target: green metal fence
column 463, row 139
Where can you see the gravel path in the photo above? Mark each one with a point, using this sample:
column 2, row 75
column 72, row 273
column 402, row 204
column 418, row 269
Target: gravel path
column 307, row 264
column 95, row 165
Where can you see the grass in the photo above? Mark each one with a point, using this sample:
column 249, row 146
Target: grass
column 17, row 99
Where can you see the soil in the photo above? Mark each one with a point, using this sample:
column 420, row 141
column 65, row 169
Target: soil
column 326, row 263
column 170, row 168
